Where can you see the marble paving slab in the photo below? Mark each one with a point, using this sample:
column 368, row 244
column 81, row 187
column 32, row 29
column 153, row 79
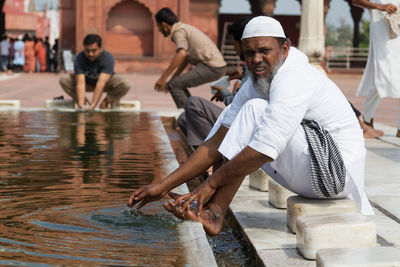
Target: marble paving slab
column 265, row 227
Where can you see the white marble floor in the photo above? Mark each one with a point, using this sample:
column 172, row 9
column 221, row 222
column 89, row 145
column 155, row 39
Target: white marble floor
column 265, row 226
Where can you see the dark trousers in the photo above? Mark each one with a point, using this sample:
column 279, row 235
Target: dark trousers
column 4, row 61
column 202, row 73
column 115, row 88
column 198, row 119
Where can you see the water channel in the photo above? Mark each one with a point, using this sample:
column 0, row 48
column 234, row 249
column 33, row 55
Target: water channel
column 65, row 178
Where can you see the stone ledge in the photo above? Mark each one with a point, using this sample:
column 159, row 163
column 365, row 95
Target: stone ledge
column 366, row 257
column 278, row 194
column 259, row 180
column 59, row 104
column 196, row 248
column 10, row 104
column 127, row 105
column 347, row 230
column 298, row 206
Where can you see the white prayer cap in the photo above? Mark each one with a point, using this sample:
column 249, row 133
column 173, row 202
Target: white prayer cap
column 263, row 26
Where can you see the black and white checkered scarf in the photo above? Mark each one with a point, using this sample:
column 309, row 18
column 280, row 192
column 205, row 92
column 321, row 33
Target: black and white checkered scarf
column 328, row 172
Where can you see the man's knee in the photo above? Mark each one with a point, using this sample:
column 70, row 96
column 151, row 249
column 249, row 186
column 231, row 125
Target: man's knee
column 196, row 106
column 256, row 104
column 119, row 84
column 66, row 82
column 125, row 86
column 176, row 83
column 170, row 85
column 193, row 103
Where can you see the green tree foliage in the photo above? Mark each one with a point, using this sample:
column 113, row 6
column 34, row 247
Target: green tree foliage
column 364, row 33
column 339, row 36
column 342, row 35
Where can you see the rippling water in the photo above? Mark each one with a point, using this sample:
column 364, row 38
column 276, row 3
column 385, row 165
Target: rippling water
column 65, row 178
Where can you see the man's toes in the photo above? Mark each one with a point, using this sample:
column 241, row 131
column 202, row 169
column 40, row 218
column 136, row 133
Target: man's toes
column 191, row 215
column 176, row 210
column 168, row 207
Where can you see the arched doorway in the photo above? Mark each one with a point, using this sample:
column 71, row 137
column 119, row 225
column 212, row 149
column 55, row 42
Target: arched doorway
column 129, row 30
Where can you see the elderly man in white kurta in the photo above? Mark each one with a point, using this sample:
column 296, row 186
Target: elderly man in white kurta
column 381, row 76
column 269, row 125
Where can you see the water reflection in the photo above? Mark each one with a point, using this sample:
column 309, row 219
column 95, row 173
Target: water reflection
column 64, row 179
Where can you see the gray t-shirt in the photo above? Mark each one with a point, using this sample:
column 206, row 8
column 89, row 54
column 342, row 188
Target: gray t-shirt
column 103, row 64
column 5, row 48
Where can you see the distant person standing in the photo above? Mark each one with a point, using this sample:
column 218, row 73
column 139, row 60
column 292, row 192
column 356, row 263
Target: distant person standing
column 11, row 53
column 4, row 52
column 381, row 76
column 29, row 53
column 40, row 51
column 54, row 57
column 48, row 54
column 19, row 59
column 192, row 47
column 94, row 72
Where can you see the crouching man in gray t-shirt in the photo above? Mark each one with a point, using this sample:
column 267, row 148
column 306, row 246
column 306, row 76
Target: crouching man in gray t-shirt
column 94, row 72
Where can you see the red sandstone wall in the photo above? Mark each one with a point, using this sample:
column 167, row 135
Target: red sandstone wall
column 135, row 44
column 21, row 22
column 67, row 24
column 204, row 16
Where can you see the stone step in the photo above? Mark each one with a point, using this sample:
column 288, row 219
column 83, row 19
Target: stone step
column 127, row 105
column 346, row 230
column 278, row 194
column 10, row 104
column 365, row 257
column 298, row 206
column 59, row 104
column 259, row 180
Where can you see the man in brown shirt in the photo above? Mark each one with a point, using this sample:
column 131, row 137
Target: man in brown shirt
column 192, row 47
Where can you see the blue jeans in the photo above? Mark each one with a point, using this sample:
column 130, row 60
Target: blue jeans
column 4, row 62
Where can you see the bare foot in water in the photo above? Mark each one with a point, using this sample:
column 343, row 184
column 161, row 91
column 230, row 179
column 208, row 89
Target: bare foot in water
column 211, row 217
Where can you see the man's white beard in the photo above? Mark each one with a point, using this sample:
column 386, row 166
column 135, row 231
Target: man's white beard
column 263, row 84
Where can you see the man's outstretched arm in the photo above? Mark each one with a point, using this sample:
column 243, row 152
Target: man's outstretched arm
column 233, row 172
column 181, row 68
column 204, row 156
column 390, row 8
column 244, row 163
column 80, row 89
column 178, row 60
column 98, row 91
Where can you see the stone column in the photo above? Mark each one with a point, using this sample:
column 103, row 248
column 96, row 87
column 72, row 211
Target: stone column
column 312, row 38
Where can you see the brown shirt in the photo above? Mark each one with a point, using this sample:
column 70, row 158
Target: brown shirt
column 199, row 47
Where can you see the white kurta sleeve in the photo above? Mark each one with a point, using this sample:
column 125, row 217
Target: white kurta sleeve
column 289, row 101
column 241, row 97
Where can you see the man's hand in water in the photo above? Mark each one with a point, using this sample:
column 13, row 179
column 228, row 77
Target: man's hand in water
column 146, row 194
column 195, row 200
